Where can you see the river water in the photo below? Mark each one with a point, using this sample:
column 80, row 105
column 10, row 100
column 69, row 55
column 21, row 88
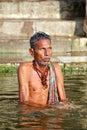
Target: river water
column 15, row 116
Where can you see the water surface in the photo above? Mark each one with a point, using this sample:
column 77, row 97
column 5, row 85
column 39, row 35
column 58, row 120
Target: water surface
column 15, row 116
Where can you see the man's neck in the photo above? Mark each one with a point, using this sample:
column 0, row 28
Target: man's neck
column 42, row 73
column 41, row 67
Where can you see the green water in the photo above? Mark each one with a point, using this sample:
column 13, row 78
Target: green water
column 15, row 116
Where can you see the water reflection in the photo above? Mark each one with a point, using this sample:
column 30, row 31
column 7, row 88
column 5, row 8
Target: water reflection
column 18, row 116
column 40, row 118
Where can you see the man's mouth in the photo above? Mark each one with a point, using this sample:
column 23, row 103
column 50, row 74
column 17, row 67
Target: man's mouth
column 46, row 59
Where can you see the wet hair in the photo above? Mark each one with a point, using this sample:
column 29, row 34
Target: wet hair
column 37, row 36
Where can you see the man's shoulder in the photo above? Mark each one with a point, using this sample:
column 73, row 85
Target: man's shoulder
column 25, row 65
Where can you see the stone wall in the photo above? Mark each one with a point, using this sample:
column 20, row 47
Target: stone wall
column 24, row 17
column 63, row 20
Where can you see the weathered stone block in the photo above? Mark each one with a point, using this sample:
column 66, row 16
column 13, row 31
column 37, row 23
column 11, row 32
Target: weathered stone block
column 55, row 28
column 61, row 46
column 79, row 47
column 42, row 9
column 45, row 10
column 25, row 28
column 30, row 10
column 15, row 29
column 83, row 44
column 14, row 51
column 76, row 44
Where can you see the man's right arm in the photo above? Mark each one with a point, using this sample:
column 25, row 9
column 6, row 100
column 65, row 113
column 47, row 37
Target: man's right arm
column 23, row 84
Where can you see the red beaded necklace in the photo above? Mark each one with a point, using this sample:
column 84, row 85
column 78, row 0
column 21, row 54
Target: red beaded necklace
column 42, row 76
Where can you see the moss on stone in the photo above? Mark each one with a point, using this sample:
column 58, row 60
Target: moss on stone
column 8, row 68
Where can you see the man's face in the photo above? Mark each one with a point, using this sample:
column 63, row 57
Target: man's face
column 43, row 51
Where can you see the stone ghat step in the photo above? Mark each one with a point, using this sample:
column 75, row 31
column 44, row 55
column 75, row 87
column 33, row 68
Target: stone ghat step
column 16, row 51
column 21, row 18
column 17, row 29
column 23, row 28
column 67, row 45
column 29, row 9
column 41, row 9
column 72, row 59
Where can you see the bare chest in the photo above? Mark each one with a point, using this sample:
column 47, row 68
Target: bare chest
column 36, row 83
column 36, row 86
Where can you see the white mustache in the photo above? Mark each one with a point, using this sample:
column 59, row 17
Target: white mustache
column 46, row 58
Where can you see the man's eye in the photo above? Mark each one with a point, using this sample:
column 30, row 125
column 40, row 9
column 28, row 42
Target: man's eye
column 50, row 48
column 42, row 49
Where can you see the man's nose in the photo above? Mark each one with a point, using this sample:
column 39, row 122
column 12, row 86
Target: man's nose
column 46, row 52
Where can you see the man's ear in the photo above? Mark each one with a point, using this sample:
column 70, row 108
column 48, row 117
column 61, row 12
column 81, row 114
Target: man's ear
column 31, row 51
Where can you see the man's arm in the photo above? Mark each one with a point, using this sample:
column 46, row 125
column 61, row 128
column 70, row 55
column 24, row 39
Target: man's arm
column 23, row 84
column 60, row 82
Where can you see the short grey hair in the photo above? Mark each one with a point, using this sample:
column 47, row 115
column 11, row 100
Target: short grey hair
column 37, row 36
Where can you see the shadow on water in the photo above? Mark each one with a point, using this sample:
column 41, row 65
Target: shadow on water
column 15, row 116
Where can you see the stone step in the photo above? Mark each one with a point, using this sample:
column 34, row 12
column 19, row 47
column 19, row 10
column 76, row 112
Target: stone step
column 19, row 19
column 15, row 51
column 40, row 9
column 72, row 59
column 29, row 9
column 61, row 19
column 23, row 29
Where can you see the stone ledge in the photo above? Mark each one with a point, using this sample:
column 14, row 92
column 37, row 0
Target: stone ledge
column 72, row 59
column 24, row 29
column 15, row 51
column 59, row 44
column 28, row 9
column 42, row 9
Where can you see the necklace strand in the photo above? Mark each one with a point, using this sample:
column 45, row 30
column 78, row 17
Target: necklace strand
column 42, row 76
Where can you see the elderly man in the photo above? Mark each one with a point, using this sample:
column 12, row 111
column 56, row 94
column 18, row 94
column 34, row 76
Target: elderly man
column 41, row 81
